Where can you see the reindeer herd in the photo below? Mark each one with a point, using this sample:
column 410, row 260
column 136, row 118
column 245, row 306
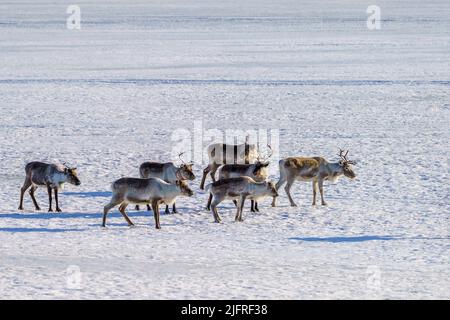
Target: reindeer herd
column 242, row 175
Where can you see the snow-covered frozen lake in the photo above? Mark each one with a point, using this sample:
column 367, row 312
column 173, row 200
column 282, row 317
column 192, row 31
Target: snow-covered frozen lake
column 108, row 97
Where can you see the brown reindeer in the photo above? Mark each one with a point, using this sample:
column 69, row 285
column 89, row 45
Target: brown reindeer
column 315, row 169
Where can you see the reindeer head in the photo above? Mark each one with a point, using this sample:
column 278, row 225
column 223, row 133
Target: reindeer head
column 185, row 170
column 184, row 188
column 346, row 164
column 261, row 165
column 71, row 174
column 260, row 169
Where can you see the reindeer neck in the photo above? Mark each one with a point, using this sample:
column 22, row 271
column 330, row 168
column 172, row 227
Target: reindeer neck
column 57, row 179
column 172, row 190
column 335, row 168
column 178, row 174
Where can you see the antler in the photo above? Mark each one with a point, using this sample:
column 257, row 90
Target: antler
column 65, row 165
column 267, row 158
column 344, row 156
column 271, row 151
column 179, row 156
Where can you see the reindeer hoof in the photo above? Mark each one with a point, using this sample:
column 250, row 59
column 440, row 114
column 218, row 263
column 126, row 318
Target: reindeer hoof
column 58, row 210
column 20, row 208
column 38, row 209
column 50, row 210
column 324, row 203
column 293, row 205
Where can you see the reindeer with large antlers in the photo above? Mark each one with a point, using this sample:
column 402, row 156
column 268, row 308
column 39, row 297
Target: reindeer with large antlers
column 315, row 169
column 257, row 171
column 168, row 172
column 53, row 176
column 221, row 153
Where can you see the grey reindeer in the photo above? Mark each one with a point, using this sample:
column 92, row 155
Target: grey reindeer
column 168, row 172
column 257, row 171
column 240, row 188
column 52, row 176
column 221, row 153
column 144, row 191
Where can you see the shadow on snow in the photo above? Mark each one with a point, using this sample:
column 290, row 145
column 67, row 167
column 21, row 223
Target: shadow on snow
column 13, row 230
column 63, row 215
column 95, row 194
column 362, row 238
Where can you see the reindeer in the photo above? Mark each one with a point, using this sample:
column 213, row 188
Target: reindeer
column 315, row 169
column 239, row 189
column 148, row 190
column 167, row 172
column 220, row 153
column 257, row 171
column 53, row 176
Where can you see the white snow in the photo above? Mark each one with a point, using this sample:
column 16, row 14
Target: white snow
column 107, row 97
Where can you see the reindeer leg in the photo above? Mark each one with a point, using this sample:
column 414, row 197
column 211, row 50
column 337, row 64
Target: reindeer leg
column 280, row 182
column 49, row 190
column 321, row 192
column 214, row 168
column 287, row 188
column 252, row 205
column 155, row 208
column 167, row 211
column 240, row 208
column 214, row 204
column 174, row 208
column 114, row 202
column 205, row 172
column 122, row 208
column 208, row 205
column 137, row 207
column 314, row 185
column 149, row 208
column 235, row 203
column 274, row 201
column 256, row 206
column 32, row 190
column 26, row 184
column 58, row 209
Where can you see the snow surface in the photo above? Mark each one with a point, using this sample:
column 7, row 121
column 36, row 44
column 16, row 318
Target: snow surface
column 107, row 97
